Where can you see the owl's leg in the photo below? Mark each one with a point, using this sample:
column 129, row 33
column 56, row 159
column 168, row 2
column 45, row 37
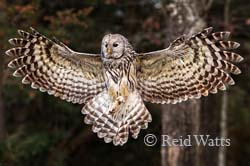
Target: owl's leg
column 119, row 97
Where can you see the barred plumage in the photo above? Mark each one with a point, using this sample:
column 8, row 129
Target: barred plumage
column 131, row 117
column 47, row 66
column 188, row 68
column 113, row 84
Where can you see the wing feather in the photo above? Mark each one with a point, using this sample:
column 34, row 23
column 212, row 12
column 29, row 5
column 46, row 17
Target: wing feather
column 54, row 68
column 188, row 68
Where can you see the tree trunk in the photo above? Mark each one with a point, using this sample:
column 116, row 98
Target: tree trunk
column 223, row 130
column 223, row 120
column 209, row 124
column 181, row 120
column 178, row 121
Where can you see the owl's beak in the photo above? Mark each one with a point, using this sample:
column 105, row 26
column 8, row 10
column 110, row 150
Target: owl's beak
column 109, row 50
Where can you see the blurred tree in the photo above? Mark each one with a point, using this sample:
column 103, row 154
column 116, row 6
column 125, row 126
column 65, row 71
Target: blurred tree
column 180, row 120
column 224, row 107
column 2, row 109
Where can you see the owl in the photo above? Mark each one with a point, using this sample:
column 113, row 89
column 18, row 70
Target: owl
column 114, row 84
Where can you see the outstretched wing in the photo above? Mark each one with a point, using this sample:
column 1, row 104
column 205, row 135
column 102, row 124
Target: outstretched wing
column 52, row 67
column 188, row 68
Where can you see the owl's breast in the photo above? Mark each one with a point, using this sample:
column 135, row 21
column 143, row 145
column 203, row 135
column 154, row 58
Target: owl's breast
column 120, row 79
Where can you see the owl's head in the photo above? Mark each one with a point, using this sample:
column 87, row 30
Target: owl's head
column 113, row 46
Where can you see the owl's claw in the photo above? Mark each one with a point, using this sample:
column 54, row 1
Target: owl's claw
column 120, row 99
column 117, row 102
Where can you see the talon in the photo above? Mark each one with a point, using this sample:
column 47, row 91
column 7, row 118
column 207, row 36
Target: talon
column 120, row 99
column 112, row 108
column 117, row 102
column 112, row 111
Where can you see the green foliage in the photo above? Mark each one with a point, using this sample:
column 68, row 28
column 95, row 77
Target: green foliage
column 33, row 146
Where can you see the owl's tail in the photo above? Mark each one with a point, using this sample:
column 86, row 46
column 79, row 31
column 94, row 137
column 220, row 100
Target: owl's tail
column 131, row 116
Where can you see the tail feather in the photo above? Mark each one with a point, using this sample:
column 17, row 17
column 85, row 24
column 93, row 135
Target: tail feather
column 131, row 117
column 139, row 119
column 122, row 134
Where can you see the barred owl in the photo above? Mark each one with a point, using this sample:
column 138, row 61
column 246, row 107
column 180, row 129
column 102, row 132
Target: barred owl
column 114, row 84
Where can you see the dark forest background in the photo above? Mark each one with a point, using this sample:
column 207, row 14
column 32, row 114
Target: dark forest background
column 39, row 130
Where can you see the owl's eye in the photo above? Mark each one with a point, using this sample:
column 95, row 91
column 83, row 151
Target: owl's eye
column 115, row 45
column 106, row 45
